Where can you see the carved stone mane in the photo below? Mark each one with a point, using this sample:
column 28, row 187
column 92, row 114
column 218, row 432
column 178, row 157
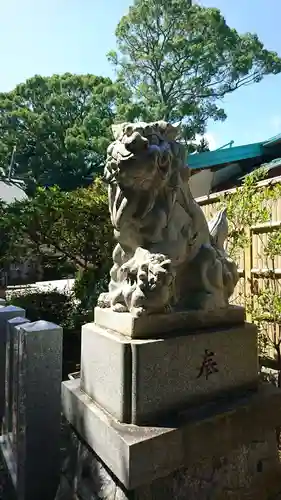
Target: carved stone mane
column 166, row 257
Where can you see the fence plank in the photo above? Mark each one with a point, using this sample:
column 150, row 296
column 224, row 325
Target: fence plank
column 248, row 264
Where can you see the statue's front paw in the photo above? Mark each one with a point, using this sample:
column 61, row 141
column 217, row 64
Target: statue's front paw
column 119, row 308
column 138, row 311
column 103, row 300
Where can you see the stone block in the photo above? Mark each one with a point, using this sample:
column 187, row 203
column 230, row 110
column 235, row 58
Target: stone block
column 106, row 370
column 11, row 380
column 6, row 313
column 250, row 471
column 138, row 456
column 34, row 457
column 142, row 381
column 153, row 325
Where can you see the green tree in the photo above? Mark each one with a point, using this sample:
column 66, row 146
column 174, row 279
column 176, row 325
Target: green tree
column 179, row 60
column 203, row 145
column 58, row 127
column 73, row 227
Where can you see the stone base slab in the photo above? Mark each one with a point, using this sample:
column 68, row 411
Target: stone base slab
column 248, row 472
column 139, row 456
column 142, row 381
column 159, row 324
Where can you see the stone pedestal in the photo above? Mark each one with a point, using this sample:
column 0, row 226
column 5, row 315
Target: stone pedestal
column 168, row 405
column 172, row 416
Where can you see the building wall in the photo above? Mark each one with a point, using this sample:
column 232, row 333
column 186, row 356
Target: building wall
column 200, row 183
column 204, row 182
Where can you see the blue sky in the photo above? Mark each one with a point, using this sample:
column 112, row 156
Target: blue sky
column 54, row 36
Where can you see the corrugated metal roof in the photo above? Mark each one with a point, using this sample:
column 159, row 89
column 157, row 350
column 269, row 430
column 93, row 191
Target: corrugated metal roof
column 220, row 156
column 272, row 164
column 269, row 166
column 274, row 140
column 210, row 159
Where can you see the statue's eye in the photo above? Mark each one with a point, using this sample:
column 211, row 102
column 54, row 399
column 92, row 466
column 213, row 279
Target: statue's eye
column 129, row 130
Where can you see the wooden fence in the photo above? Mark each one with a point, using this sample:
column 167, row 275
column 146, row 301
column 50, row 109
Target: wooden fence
column 253, row 264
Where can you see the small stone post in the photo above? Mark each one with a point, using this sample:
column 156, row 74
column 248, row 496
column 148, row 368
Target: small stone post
column 11, row 380
column 32, row 450
column 39, row 410
column 6, row 313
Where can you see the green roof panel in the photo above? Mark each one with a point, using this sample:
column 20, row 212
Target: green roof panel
column 272, row 141
column 210, row 159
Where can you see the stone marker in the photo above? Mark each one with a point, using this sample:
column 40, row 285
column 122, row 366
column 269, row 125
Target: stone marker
column 11, row 379
column 6, row 313
column 36, row 464
column 10, row 423
column 169, row 370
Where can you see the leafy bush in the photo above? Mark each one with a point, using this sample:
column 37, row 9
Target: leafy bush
column 48, row 305
column 62, row 309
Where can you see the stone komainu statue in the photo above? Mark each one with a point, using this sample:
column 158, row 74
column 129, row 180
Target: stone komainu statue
column 167, row 258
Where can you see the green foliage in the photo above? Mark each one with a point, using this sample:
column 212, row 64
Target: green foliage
column 60, row 127
column 72, row 226
column 201, row 147
column 87, row 288
column 246, row 207
column 178, row 60
column 67, row 228
column 54, row 267
column 249, row 208
column 49, row 305
column 61, row 309
column 273, row 247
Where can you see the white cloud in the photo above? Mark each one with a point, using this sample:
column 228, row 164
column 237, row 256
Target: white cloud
column 276, row 123
column 211, row 138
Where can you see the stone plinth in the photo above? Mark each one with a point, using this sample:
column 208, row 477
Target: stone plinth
column 30, row 443
column 142, row 381
column 223, row 450
column 6, row 313
column 153, row 325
